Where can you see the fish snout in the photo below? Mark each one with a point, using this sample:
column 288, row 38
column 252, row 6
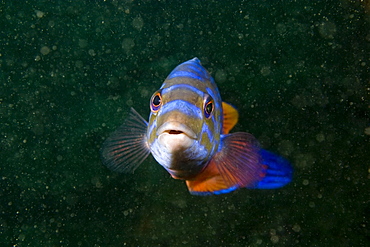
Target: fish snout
column 175, row 136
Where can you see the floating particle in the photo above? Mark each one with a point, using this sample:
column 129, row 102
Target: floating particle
column 327, row 29
column 128, row 44
column 45, row 50
column 220, row 76
column 138, row 23
column 39, row 13
column 320, row 137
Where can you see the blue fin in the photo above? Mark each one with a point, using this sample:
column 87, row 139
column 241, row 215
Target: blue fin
column 126, row 148
column 278, row 171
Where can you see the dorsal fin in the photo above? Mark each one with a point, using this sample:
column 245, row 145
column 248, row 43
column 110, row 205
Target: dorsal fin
column 231, row 116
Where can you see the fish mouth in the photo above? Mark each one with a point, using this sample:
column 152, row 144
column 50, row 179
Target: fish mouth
column 176, row 128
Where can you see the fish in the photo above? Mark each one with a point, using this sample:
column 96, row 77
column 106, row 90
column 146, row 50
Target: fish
column 188, row 134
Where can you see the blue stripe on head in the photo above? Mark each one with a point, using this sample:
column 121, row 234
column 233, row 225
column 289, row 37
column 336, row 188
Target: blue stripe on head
column 182, row 86
column 208, row 131
column 185, row 74
column 182, row 106
column 192, row 69
column 152, row 126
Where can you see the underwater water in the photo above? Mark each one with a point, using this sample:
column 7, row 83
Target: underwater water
column 298, row 72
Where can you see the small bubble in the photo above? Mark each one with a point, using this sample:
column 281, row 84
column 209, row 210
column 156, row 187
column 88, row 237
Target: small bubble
column 128, row 44
column 144, row 93
column 220, row 76
column 39, row 13
column 45, row 50
column 79, row 64
column 296, row 228
column 51, row 23
column 265, row 71
column 274, row 239
column 92, row 53
column 138, row 23
column 327, row 29
column 129, row 102
column 305, row 182
column 21, row 237
column 320, row 137
column 82, row 43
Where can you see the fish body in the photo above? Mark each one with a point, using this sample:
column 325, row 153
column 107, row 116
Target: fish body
column 188, row 134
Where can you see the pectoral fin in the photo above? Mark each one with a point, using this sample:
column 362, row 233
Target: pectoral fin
column 126, row 148
column 236, row 165
column 241, row 163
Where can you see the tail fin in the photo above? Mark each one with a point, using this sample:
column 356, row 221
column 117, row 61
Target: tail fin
column 278, row 171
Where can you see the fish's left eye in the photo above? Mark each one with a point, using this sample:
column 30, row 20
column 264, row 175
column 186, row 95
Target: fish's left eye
column 208, row 107
column 156, row 102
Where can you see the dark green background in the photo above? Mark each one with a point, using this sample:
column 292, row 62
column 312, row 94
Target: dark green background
column 298, row 71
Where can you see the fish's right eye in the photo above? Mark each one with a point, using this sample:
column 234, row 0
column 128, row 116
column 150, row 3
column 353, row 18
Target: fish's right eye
column 156, row 102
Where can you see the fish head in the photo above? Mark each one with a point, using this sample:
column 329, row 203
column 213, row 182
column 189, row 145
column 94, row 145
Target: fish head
column 185, row 123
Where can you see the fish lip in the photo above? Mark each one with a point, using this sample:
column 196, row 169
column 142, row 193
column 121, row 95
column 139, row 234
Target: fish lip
column 175, row 126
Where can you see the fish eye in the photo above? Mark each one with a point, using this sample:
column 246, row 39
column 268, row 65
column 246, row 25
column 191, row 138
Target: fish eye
column 208, row 107
column 156, row 102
